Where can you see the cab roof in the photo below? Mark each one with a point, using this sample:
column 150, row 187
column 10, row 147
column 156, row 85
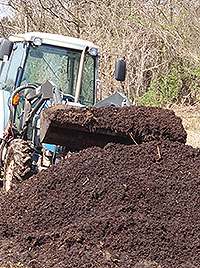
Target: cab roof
column 54, row 39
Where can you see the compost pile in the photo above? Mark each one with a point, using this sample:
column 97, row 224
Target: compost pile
column 118, row 206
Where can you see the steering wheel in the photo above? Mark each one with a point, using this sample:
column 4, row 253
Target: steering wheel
column 68, row 97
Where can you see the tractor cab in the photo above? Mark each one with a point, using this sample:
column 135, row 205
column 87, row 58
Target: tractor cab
column 38, row 57
column 29, row 60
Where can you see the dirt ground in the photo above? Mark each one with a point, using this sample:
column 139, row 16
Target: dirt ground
column 190, row 116
column 117, row 206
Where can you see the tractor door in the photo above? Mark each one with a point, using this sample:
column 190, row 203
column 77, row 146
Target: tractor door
column 8, row 77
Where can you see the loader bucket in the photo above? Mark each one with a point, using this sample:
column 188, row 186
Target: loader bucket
column 70, row 133
column 81, row 127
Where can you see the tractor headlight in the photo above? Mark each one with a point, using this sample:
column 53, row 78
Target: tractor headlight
column 37, row 41
column 93, row 51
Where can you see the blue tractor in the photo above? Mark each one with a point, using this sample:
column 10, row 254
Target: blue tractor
column 37, row 71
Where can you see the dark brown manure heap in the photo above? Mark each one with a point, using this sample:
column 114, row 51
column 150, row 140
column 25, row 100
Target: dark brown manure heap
column 117, row 206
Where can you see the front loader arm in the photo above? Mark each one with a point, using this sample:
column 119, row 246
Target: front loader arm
column 29, row 100
column 47, row 91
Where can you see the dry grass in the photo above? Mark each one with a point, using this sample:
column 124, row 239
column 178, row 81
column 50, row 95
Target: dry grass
column 191, row 122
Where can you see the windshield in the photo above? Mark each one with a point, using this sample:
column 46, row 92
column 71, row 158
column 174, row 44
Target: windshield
column 60, row 65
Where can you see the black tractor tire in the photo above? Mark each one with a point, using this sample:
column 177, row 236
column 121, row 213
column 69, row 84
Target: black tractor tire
column 17, row 165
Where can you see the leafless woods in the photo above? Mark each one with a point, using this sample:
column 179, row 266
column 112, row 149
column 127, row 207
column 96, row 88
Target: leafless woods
column 159, row 40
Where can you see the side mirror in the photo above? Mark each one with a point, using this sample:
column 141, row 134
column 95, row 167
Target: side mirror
column 5, row 48
column 120, row 70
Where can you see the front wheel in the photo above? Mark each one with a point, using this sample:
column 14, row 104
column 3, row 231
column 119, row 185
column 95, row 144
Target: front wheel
column 17, row 165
